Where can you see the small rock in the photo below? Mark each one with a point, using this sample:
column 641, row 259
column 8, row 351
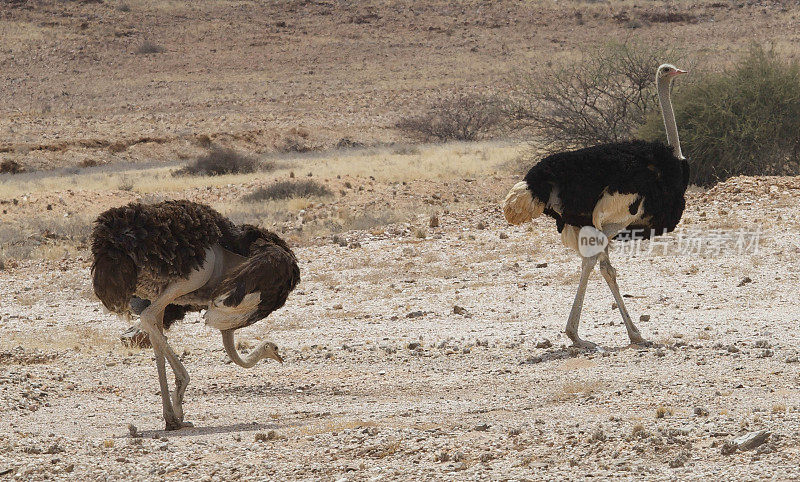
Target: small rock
column 792, row 359
column 700, row 412
column 459, row 310
column 644, row 318
column 482, row 427
column 679, row 461
column 133, row 431
column 415, row 314
column 503, row 235
column 337, row 306
column 744, row 281
column 433, row 222
column 748, row 441
column 413, row 345
column 481, row 225
column 544, row 344
column 54, row 449
column 541, row 265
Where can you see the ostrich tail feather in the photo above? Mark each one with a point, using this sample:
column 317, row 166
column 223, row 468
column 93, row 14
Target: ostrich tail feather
column 520, row 206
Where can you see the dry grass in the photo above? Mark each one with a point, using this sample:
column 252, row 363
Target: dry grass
column 78, row 338
column 779, row 408
column 576, row 388
column 663, row 411
column 448, row 161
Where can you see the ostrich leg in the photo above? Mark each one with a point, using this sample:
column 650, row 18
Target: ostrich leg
column 151, row 318
column 575, row 314
column 610, row 275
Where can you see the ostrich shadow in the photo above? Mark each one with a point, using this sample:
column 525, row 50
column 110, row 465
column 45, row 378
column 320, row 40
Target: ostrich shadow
column 573, row 352
column 210, row 430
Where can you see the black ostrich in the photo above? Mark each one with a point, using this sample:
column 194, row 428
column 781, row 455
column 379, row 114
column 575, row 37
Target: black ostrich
column 636, row 186
column 162, row 260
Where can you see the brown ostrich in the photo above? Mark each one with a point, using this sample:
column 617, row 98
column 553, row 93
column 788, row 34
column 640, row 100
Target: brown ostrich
column 183, row 256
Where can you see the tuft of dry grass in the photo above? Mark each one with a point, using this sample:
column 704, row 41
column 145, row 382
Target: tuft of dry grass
column 574, row 388
column 663, row 411
column 147, row 48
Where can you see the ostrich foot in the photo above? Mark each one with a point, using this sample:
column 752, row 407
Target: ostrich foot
column 177, row 425
column 638, row 340
column 583, row 344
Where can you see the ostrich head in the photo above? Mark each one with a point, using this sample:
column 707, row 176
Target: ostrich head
column 269, row 350
column 668, row 72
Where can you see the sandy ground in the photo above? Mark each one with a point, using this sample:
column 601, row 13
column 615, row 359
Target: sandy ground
column 384, row 380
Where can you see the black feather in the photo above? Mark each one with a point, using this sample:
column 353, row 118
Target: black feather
column 582, row 176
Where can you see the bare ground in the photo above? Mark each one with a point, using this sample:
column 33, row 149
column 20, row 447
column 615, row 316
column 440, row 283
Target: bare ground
column 383, row 380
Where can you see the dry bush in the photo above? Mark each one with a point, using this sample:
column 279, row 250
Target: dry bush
column 295, row 140
column 149, row 47
column 220, row 161
column 10, row 166
column 603, row 97
column 461, row 117
column 744, row 120
column 289, row 189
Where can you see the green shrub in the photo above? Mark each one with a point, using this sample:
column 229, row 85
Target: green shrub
column 744, row 120
column 289, row 189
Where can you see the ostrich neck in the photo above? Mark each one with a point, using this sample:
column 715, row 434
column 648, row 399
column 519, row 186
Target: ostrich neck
column 233, row 353
column 669, row 117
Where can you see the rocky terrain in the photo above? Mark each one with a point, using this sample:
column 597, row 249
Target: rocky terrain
column 433, row 349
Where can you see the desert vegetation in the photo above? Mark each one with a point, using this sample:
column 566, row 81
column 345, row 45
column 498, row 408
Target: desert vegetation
column 305, row 188
column 461, row 117
column 219, row 161
column 739, row 118
column 743, row 119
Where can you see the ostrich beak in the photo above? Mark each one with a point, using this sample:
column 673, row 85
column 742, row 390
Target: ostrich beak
column 679, row 72
column 275, row 356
